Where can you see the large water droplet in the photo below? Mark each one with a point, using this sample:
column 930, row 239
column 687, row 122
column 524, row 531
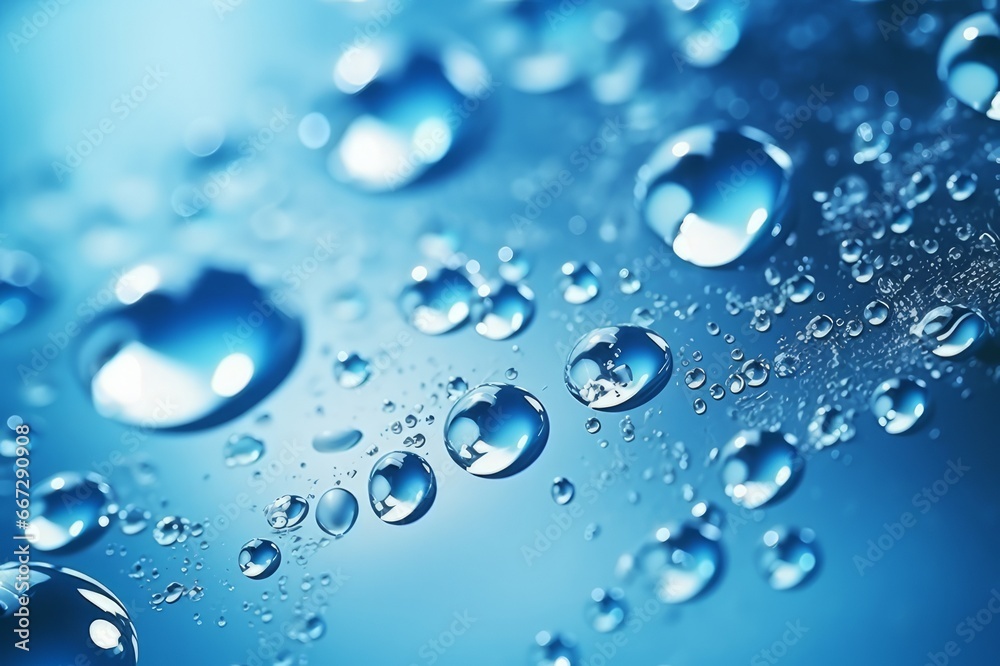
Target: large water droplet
column 189, row 356
column 969, row 63
column 682, row 562
column 74, row 619
column 336, row 512
column 760, row 467
column 900, row 404
column 259, row 558
column 496, row 430
column 789, row 557
column 715, row 194
column 618, row 367
column 439, row 302
column 412, row 110
column 952, row 331
column 507, row 309
column 286, row 512
column 401, row 487
column 70, row 511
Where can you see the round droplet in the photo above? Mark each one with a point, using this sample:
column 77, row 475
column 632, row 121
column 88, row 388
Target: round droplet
column 496, row 430
column 192, row 354
column 286, row 512
column 333, row 441
column 969, row 63
column 607, row 611
column 73, row 618
column 788, row 558
column 717, row 391
column 851, row 250
column 593, row 425
column 259, row 558
column 242, row 450
column 760, row 467
column 336, row 512
column 799, row 288
column 900, row 404
column 408, row 112
column 695, row 378
column 437, row 303
column 755, row 371
column 401, row 487
column 715, row 194
column 554, row 650
column 952, row 331
column 618, row 367
column 820, row 326
column 700, row 406
column 170, row 530
column 457, row 387
column 23, row 289
column 507, row 310
column 681, row 562
column 70, row 511
column 854, row 328
column 580, row 282
column 628, row 283
column 876, row 313
column 962, row 184
column 350, row 370
column 831, row 425
column 562, row 490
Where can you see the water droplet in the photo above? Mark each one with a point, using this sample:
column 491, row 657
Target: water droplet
column 23, row 289
column 869, row 142
column 968, row 63
column 700, row 407
column 919, row 188
column 962, row 185
column 789, row 557
column 514, row 264
column 593, row 425
column 335, row 441
column 286, row 512
column 681, row 562
column 876, row 313
column 851, row 250
column 457, row 387
column 401, row 487
column 900, row 404
column 350, row 370
column 607, row 611
column 854, row 328
column 736, row 384
column 307, row 629
column 799, row 288
column 336, row 512
column 628, row 283
column 437, row 303
column 132, row 519
column 756, row 372
column 831, row 425
column 507, row 310
column 496, row 430
column 70, row 511
column 952, row 331
column 75, row 618
column 902, row 223
column 170, row 530
column 760, row 467
column 562, row 490
column 242, row 450
column 554, row 650
column 187, row 356
column 259, row 558
column 618, row 367
column 409, row 112
column 717, row 392
column 695, row 378
column 580, row 282
column 714, row 194
column 819, row 326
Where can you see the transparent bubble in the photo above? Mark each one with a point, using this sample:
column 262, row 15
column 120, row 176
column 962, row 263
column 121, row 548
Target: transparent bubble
column 760, row 467
column 401, row 487
column 562, row 490
column 695, row 378
column 580, row 282
column 350, row 370
column 496, row 430
column 439, row 302
column 952, row 331
column 336, row 512
column 70, row 511
column 876, row 313
column 788, row 558
column 259, row 558
column 241, row 450
column 969, row 63
column 507, row 310
column 682, row 562
column 715, row 194
column 286, row 512
column 962, row 184
column 191, row 355
column 606, row 612
column 900, row 404
column 73, row 618
column 618, row 367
